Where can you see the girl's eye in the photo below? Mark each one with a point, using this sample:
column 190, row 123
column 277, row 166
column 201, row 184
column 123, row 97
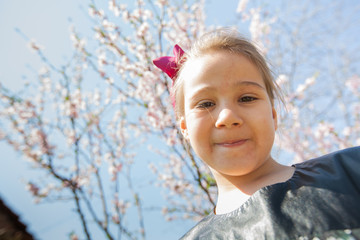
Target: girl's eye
column 205, row 105
column 247, row 99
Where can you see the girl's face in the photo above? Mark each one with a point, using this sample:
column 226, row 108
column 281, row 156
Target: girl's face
column 229, row 119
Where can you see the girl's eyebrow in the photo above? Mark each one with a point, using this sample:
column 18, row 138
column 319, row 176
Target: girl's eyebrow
column 237, row 84
column 249, row 83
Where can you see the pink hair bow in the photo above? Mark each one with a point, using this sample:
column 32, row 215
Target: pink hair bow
column 170, row 65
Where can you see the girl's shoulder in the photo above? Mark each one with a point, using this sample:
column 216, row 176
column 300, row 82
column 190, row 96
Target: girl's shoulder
column 346, row 156
column 346, row 161
column 332, row 171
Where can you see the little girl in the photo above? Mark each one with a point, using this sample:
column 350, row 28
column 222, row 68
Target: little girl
column 223, row 95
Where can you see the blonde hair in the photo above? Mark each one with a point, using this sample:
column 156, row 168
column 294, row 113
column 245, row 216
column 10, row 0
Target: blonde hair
column 230, row 41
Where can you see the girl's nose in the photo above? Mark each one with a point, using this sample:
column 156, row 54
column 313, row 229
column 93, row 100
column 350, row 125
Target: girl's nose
column 228, row 118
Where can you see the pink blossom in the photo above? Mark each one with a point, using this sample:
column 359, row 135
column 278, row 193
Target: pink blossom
column 34, row 46
column 92, row 11
column 32, row 188
column 73, row 236
column 353, row 84
column 2, row 135
column 162, row 3
column 282, row 79
column 109, row 26
column 114, row 8
column 126, row 15
column 115, row 218
column 356, row 108
column 122, row 205
column 241, row 5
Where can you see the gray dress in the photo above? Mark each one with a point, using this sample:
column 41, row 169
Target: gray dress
column 321, row 200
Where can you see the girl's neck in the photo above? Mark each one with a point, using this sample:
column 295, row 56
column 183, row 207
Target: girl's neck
column 233, row 191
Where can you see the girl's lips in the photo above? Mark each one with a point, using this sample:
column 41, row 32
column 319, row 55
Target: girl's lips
column 231, row 143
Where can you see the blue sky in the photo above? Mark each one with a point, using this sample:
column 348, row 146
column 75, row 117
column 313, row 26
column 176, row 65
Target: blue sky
column 48, row 23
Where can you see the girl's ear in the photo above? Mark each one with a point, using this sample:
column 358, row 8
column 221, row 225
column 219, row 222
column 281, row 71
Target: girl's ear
column 183, row 128
column 274, row 113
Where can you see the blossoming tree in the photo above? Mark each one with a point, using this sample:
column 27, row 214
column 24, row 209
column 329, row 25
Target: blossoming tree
column 85, row 123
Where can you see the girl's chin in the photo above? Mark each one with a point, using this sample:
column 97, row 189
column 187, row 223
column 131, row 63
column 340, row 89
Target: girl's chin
column 233, row 169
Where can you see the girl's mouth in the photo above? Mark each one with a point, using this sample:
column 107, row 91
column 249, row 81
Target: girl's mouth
column 232, row 143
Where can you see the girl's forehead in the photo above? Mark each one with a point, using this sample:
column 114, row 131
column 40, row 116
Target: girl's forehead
column 207, row 57
column 200, row 65
column 220, row 64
